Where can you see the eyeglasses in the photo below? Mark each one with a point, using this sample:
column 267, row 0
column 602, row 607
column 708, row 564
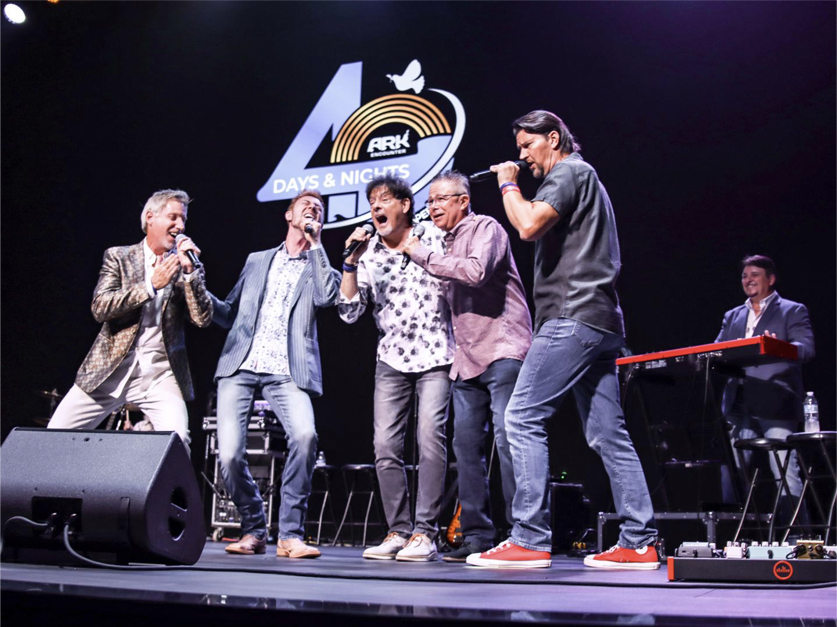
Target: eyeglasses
column 439, row 200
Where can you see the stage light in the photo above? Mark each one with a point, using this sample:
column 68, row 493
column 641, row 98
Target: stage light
column 14, row 14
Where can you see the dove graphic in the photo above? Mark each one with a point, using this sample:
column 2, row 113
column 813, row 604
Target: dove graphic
column 410, row 79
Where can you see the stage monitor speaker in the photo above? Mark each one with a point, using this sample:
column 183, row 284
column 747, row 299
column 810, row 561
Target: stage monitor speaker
column 131, row 496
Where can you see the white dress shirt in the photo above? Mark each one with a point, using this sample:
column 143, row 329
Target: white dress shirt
column 753, row 317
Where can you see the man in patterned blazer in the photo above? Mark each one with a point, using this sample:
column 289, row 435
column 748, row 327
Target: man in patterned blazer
column 144, row 294
column 272, row 346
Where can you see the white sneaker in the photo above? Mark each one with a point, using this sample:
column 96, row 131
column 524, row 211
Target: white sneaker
column 387, row 549
column 419, row 548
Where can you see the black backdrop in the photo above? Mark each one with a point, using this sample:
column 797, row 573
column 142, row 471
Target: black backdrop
column 711, row 124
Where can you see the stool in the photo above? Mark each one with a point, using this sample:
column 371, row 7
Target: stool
column 819, row 445
column 360, row 480
column 772, row 446
column 324, row 473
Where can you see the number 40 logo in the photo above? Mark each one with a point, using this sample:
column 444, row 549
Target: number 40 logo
column 401, row 133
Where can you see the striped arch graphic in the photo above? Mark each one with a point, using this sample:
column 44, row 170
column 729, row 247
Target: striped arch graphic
column 417, row 113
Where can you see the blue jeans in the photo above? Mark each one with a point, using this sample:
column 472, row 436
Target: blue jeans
column 475, row 401
column 569, row 355
column 393, row 395
column 293, row 408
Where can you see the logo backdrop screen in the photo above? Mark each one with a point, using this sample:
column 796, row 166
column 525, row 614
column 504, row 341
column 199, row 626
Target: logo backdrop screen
column 346, row 142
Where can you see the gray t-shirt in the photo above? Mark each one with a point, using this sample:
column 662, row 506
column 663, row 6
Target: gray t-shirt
column 577, row 262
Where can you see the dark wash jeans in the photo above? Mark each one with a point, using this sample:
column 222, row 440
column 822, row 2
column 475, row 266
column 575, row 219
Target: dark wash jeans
column 475, row 402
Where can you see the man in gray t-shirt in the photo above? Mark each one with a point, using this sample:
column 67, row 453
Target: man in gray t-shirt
column 579, row 332
column 577, row 259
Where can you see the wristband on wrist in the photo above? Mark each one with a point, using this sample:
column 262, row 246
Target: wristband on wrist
column 511, row 189
column 347, row 267
column 505, row 185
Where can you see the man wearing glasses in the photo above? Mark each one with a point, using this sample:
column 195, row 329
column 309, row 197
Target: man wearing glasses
column 415, row 351
column 493, row 330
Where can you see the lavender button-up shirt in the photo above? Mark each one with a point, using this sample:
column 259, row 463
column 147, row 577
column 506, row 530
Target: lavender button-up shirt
column 491, row 319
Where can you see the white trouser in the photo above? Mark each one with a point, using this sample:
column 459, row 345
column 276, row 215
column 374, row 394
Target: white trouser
column 162, row 405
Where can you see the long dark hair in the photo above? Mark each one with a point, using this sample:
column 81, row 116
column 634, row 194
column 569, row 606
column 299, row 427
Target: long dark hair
column 543, row 123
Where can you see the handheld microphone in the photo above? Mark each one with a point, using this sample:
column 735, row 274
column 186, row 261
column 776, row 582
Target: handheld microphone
column 484, row 175
column 190, row 254
column 309, row 229
column 418, row 231
column 356, row 244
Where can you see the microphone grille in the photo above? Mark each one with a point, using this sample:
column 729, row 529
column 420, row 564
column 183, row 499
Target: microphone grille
column 418, row 230
column 369, row 228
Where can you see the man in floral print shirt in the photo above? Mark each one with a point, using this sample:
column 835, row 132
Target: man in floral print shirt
column 415, row 351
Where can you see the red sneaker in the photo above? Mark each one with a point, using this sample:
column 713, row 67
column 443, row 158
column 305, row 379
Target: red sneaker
column 508, row 555
column 625, row 559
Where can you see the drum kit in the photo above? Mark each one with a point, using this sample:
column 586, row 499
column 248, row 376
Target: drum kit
column 129, row 417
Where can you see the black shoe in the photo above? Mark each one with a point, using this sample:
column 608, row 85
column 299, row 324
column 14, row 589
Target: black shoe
column 462, row 553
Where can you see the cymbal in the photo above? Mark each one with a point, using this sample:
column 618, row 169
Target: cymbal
column 41, row 422
column 131, row 407
column 52, row 394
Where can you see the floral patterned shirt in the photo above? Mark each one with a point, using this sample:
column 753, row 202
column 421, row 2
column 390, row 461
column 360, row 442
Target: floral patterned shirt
column 409, row 307
column 269, row 350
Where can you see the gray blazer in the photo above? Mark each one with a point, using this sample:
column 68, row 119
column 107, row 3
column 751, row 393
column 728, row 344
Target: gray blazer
column 318, row 286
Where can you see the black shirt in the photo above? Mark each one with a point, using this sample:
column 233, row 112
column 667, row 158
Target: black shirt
column 577, row 261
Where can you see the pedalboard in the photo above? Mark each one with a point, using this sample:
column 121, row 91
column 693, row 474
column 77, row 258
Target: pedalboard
column 808, row 561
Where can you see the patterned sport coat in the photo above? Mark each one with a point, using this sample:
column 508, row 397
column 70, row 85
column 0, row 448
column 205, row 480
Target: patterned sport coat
column 117, row 304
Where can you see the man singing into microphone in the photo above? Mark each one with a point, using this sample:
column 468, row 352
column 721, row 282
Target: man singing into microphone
column 272, row 346
column 493, row 331
column 579, row 331
column 415, row 351
column 144, row 294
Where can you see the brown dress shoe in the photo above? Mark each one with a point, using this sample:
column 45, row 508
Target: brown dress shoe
column 248, row 545
column 295, row 548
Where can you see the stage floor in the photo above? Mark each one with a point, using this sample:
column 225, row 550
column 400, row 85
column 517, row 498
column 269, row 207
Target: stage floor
column 342, row 586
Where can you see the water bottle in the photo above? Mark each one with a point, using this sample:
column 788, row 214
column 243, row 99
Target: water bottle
column 321, row 460
column 812, row 413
